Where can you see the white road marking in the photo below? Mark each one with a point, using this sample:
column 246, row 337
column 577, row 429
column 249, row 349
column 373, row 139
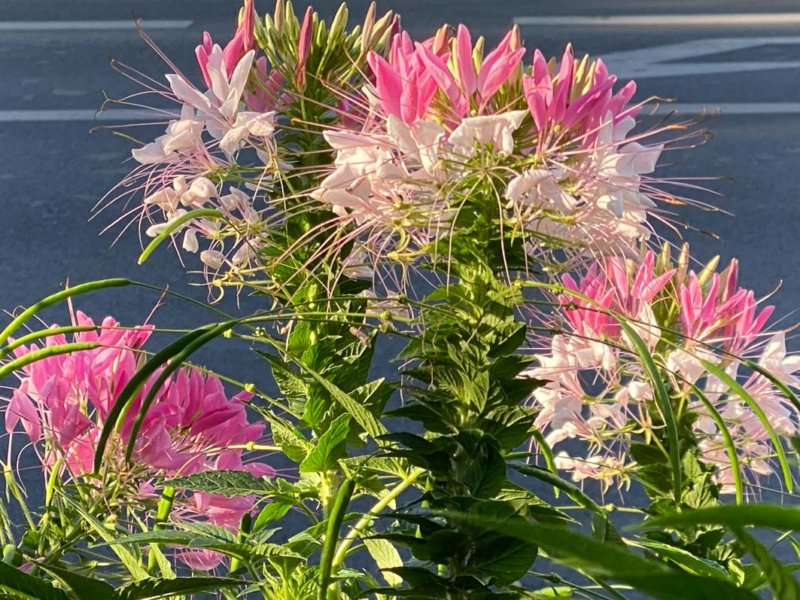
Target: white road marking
column 730, row 108
column 89, row 25
column 736, row 19
column 141, row 116
column 659, row 61
column 111, row 115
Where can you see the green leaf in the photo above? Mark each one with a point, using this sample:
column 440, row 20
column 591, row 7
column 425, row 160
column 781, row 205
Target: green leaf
column 329, row 447
column 360, row 415
column 189, row 539
column 664, row 407
column 164, row 588
column 82, row 588
column 386, row 557
column 22, row 585
column 783, row 518
column 782, row 584
column 685, row 560
column 225, row 483
column 501, row 558
column 173, row 225
column 129, row 557
column 610, row 561
column 288, row 437
column 759, row 412
column 270, row 513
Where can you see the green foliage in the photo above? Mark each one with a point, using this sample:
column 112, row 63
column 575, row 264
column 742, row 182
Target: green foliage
column 22, row 585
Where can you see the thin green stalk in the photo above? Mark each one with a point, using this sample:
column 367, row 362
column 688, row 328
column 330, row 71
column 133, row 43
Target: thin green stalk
column 37, row 335
column 162, row 514
column 55, row 299
column 335, row 519
column 367, row 519
column 244, row 529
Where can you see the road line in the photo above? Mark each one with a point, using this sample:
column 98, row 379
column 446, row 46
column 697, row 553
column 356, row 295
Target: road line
column 735, row 19
column 111, row 115
column 140, row 116
column 729, row 108
column 666, row 60
column 25, row 26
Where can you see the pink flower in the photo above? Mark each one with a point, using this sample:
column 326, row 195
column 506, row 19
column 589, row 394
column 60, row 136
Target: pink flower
column 404, row 86
column 494, row 71
column 192, row 426
column 717, row 312
column 560, row 101
column 604, row 290
column 303, row 47
column 242, row 42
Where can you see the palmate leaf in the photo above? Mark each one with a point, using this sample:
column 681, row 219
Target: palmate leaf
column 607, row 561
column 167, row 588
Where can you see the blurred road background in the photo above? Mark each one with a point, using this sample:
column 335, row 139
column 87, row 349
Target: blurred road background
column 55, row 69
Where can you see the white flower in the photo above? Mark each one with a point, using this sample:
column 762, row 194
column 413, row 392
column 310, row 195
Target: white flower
column 497, row 130
column 220, row 105
column 190, row 243
column 774, row 360
column 536, row 189
column 159, row 228
column 212, row 259
column 247, row 124
column 419, row 141
column 181, row 136
column 200, row 191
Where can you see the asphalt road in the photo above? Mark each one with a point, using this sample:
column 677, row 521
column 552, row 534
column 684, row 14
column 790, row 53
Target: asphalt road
column 55, row 70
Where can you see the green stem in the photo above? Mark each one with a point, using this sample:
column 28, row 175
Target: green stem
column 244, row 529
column 162, row 514
column 367, row 519
column 335, row 519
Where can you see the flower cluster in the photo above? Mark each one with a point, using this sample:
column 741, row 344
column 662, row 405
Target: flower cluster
column 63, row 401
column 229, row 158
column 442, row 120
column 548, row 146
column 695, row 325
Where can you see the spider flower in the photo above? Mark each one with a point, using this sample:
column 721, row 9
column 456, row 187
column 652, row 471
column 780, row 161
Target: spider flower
column 598, row 391
column 455, row 132
column 62, row 403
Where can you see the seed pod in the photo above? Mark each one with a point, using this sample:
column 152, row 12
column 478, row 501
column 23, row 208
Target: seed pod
column 369, row 23
column 339, row 22
column 277, row 19
column 708, row 270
